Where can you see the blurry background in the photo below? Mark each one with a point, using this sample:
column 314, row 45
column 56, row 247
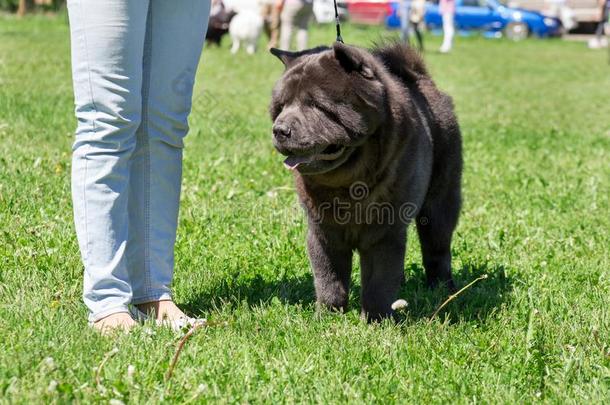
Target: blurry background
column 577, row 15
column 535, row 120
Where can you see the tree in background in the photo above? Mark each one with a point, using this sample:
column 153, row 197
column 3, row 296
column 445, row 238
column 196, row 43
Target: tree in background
column 23, row 7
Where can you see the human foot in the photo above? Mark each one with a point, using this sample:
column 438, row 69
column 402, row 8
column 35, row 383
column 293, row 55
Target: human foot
column 166, row 313
column 162, row 310
column 121, row 321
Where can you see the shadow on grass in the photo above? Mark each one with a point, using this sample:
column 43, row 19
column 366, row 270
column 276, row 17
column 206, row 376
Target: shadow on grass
column 476, row 303
column 255, row 291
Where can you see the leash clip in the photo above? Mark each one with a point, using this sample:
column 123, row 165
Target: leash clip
column 338, row 22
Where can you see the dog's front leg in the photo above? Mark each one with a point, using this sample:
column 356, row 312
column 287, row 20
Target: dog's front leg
column 331, row 262
column 382, row 272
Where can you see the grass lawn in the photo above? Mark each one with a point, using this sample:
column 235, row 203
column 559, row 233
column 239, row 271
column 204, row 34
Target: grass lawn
column 536, row 219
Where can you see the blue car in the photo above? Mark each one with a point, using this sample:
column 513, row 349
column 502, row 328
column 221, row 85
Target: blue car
column 490, row 16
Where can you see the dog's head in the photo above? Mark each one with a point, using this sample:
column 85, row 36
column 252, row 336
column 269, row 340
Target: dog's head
column 222, row 20
column 326, row 105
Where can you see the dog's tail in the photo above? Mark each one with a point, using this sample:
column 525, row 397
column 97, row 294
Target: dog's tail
column 402, row 61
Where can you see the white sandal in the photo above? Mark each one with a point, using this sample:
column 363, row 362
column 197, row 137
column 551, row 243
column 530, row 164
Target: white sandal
column 177, row 325
column 181, row 324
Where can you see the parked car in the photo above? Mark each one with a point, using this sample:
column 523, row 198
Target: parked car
column 490, row 16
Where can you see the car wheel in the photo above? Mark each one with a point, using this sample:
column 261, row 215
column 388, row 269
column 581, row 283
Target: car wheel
column 516, row 31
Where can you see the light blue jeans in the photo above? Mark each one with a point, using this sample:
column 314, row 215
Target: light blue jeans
column 133, row 66
column 405, row 19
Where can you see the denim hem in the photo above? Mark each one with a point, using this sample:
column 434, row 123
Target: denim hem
column 159, row 296
column 107, row 312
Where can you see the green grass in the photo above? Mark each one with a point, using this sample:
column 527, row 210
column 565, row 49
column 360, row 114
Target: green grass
column 536, row 219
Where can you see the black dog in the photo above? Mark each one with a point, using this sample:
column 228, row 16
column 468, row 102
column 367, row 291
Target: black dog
column 373, row 144
column 218, row 26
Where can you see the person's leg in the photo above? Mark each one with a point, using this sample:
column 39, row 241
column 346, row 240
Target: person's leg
column 448, row 32
column 275, row 28
column 595, row 42
column 287, row 21
column 266, row 12
column 404, row 22
column 107, row 44
column 171, row 57
column 599, row 32
column 302, row 39
column 302, row 23
column 604, row 39
column 419, row 36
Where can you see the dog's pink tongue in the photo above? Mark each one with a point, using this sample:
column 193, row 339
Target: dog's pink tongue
column 292, row 162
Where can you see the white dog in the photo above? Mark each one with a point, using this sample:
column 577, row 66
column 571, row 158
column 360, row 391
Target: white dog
column 246, row 27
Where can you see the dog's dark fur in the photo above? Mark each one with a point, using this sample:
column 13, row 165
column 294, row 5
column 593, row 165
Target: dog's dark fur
column 218, row 26
column 402, row 141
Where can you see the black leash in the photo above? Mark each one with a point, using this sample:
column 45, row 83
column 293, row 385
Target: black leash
column 338, row 22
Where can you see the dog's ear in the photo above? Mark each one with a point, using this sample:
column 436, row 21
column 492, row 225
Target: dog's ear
column 352, row 59
column 289, row 58
column 286, row 57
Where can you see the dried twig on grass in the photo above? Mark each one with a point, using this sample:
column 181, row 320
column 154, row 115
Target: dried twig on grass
column 453, row 296
column 98, row 372
column 602, row 346
column 172, row 365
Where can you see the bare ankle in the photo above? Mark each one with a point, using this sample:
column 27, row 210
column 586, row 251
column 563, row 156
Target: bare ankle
column 163, row 309
column 117, row 321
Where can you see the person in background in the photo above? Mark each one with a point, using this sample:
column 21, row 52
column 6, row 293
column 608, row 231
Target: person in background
column 295, row 13
column 447, row 8
column 270, row 10
column 600, row 40
column 416, row 17
column 404, row 8
column 411, row 14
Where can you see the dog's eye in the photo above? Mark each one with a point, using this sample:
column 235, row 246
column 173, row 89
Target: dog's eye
column 326, row 111
column 314, row 104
